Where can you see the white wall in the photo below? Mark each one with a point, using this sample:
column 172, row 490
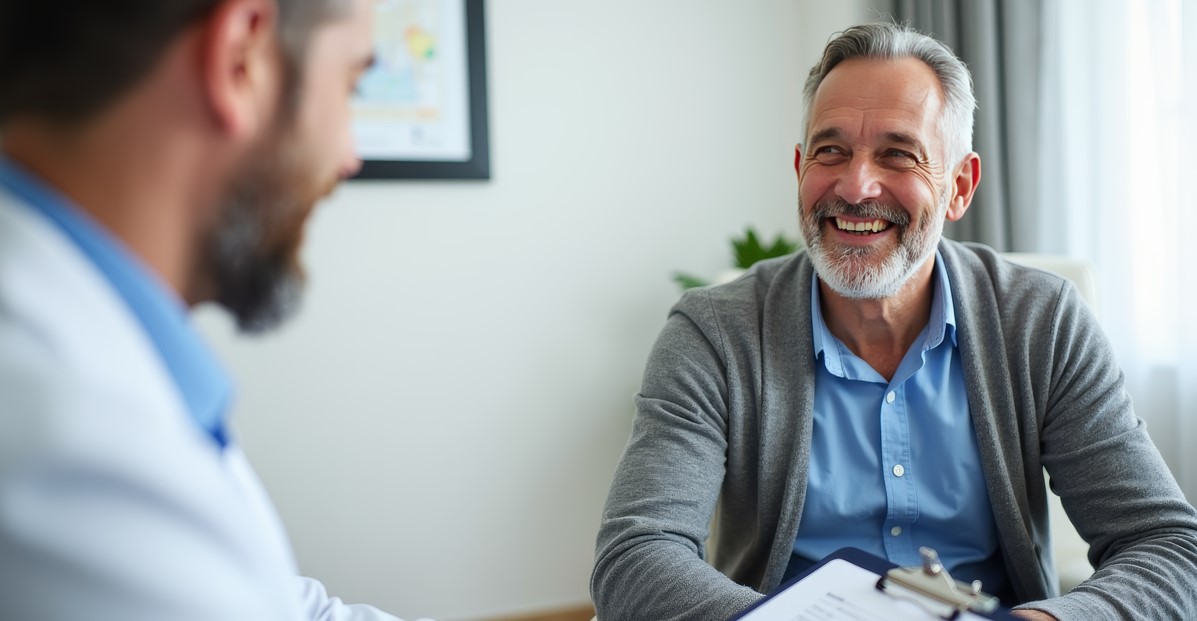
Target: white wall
column 439, row 424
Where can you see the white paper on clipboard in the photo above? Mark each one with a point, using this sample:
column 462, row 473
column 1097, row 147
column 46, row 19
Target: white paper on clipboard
column 841, row 591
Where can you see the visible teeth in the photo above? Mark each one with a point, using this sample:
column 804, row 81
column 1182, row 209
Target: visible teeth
column 874, row 226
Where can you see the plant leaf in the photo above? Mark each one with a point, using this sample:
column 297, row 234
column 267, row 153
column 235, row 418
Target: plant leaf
column 781, row 247
column 687, row 281
column 749, row 250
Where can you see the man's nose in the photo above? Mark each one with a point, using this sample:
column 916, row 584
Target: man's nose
column 350, row 162
column 861, row 181
column 350, row 166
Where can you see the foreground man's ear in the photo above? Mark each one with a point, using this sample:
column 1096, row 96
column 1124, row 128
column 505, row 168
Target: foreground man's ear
column 240, row 65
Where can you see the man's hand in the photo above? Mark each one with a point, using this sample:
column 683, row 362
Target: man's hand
column 1034, row 615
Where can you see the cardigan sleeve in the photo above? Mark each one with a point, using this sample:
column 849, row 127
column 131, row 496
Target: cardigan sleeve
column 1112, row 482
column 650, row 551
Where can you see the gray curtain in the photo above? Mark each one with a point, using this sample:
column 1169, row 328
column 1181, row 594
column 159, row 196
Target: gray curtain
column 999, row 41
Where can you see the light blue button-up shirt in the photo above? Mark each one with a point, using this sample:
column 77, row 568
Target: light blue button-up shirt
column 894, row 464
column 205, row 387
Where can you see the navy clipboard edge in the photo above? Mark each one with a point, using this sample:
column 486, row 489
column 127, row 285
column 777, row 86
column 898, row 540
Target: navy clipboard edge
column 863, row 559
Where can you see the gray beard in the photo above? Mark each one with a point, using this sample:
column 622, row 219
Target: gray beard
column 847, row 270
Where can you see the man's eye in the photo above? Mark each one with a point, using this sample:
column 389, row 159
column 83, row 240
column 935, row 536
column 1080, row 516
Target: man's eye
column 898, row 157
column 828, row 154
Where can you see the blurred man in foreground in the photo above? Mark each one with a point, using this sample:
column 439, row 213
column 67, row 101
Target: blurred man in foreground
column 154, row 155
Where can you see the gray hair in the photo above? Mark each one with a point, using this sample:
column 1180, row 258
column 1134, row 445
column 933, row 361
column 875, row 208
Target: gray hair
column 890, row 41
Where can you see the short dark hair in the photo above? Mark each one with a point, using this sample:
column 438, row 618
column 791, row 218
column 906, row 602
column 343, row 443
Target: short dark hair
column 64, row 61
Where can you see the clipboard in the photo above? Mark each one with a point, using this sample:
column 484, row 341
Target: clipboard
column 853, row 583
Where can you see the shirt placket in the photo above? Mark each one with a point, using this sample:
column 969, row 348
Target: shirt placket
column 901, row 498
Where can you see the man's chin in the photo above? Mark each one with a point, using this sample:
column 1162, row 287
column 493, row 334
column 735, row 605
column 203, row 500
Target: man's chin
column 859, row 273
column 260, row 310
column 254, row 267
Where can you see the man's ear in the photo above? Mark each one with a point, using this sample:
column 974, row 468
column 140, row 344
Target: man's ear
column 964, row 185
column 798, row 160
column 241, row 67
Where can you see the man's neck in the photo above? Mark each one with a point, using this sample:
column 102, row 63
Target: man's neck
column 132, row 183
column 881, row 331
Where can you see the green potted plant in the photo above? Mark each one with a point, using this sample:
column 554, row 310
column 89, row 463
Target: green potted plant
column 746, row 250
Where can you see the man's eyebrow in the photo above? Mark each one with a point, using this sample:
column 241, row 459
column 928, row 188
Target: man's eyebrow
column 903, row 138
column 825, row 134
column 369, row 62
column 908, row 140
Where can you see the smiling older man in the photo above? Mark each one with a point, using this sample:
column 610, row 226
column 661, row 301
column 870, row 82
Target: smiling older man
column 888, row 389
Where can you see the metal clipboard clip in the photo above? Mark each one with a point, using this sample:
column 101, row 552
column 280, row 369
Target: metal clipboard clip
column 931, row 587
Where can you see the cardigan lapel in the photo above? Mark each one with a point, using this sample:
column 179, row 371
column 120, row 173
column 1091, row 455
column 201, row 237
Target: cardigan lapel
column 787, row 422
column 1005, row 445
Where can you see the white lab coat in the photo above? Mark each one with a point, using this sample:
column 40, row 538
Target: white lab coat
column 114, row 504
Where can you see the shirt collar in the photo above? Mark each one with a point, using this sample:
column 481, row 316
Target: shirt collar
column 203, row 384
column 942, row 322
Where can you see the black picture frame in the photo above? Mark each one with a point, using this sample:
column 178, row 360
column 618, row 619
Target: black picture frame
column 477, row 166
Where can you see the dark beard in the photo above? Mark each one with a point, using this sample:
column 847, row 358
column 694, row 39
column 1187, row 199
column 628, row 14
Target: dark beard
column 252, row 250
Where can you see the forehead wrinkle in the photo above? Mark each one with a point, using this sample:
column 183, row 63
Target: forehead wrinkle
column 879, row 95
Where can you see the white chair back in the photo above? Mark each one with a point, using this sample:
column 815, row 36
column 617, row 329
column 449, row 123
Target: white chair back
column 1076, row 270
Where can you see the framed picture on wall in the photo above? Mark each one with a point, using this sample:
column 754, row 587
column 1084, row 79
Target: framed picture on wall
column 420, row 112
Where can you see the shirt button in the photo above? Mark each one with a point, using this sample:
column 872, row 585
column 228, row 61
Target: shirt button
column 899, row 470
column 895, row 531
column 889, row 398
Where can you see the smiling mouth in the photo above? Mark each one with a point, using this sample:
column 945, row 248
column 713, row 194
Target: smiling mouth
column 861, row 228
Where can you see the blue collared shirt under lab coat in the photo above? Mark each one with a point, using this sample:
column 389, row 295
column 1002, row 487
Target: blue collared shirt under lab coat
column 894, row 464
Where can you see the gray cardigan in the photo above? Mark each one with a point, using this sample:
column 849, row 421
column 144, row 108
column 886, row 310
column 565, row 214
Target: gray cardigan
column 723, row 429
